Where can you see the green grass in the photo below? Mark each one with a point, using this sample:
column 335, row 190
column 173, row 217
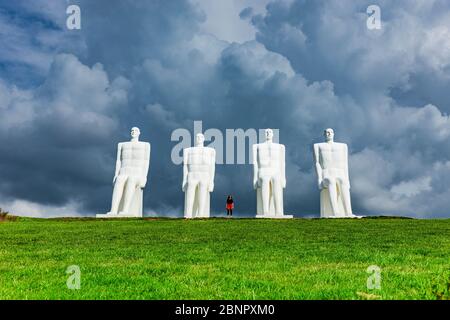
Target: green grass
column 224, row 258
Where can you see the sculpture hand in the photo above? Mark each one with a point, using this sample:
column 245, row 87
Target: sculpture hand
column 283, row 183
column 255, row 184
column 211, row 187
column 184, row 186
column 320, row 184
column 143, row 183
column 114, row 179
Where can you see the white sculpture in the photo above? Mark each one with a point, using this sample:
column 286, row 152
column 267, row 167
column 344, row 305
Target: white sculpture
column 269, row 178
column 133, row 160
column 198, row 178
column 331, row 163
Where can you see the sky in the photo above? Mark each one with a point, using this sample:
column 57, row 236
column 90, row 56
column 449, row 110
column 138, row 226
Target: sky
column 67, row 97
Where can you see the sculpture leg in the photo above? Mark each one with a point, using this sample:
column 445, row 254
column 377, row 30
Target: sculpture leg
column 130, row 188
column 277, row 192
column 265, row 193
column 332, row 189
column 202, row 194
column 190, row 196
column 117, row 194
column 345, row 193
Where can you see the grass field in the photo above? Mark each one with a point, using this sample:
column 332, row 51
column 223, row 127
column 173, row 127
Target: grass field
column 224, row 258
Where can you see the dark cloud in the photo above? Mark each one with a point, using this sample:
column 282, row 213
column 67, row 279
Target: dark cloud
column 122, row 34
column 246, row 13
column 56, row 139
column 313, row 65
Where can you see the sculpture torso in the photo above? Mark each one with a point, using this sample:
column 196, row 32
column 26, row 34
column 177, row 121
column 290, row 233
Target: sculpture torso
column 269, row 158
column 199, row 160
column 133, row 158
column 333, row 159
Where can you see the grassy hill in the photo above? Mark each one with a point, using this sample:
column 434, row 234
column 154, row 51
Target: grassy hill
column 224, row 258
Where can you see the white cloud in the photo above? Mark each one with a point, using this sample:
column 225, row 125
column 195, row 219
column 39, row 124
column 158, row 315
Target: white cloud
column 36, row 210
column 435, row 50
column 223, row 19
column 411, row 188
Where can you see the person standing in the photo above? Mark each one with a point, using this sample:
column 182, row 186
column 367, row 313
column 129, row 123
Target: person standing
column 230, row 206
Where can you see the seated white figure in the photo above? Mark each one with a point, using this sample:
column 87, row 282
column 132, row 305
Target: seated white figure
column 331, row 164
column 198, row 178
column 269, row 178
column 133, row 161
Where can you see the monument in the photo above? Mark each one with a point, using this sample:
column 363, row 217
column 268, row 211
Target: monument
column 133, row 160
column 198, row 178
column 331, row 163
column 269, row 177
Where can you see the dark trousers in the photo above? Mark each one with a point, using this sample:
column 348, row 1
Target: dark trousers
column 229, row 212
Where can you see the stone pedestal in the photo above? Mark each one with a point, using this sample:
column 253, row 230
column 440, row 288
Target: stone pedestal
column 274, row 217
column 135, row 210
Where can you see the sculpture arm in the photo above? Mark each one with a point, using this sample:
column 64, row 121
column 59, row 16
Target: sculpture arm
column 317, row 166
column 212, row 171
column 185, row 169
column 118, row 162
column 146, row 165
column 255, row 166
column 346, row 164
column 283, row 166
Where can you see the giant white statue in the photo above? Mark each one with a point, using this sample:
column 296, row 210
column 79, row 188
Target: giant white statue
column 269, row 177
column 331, row 163
column 198, row 178
column 133, row 160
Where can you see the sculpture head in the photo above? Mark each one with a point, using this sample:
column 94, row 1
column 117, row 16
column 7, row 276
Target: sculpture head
column 329, row 134
column 135, row 133
column 269, row 134
column 199, row 139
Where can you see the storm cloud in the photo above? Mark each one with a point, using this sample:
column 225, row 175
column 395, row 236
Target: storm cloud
column 67, row 97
